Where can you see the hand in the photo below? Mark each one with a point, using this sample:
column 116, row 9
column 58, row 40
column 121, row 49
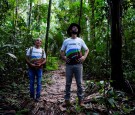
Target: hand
column 82, row 58
column 35, row 65
column 38, row 64
column 32, row 65
column 64, row 58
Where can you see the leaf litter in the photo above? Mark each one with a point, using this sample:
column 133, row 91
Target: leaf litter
column 99, row 98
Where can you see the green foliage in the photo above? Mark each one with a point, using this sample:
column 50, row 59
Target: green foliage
column 40, row 12
column 52, row 63
column 55, row 43
column 114, row 101
column 129, row 43
column 16, row 37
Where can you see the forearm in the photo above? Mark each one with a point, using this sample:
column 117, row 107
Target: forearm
column 28, row 61
column 86, row 53
column 44, row 61
column 62, row 53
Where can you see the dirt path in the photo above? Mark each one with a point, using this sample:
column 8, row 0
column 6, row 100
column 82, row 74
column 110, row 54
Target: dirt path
column 52, row 97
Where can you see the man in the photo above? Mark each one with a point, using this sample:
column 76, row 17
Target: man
column 71, row 53
column 35, row 58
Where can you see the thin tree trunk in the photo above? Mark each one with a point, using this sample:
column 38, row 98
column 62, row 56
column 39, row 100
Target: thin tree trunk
column 88, row 28
column 38, row 20
column 11, row 39
column 29, row 16
column 80, row 15
column 15, row 15
column 48, row 26
column 29, row 22
column 92, row 21
column 15, row 24
column 88, row 22
column 108, row 44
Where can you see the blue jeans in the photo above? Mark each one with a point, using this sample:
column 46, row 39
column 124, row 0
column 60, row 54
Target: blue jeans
column 35, row 73
column 77, row 71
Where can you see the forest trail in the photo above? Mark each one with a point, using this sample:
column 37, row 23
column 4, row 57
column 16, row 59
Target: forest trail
column 52, row 97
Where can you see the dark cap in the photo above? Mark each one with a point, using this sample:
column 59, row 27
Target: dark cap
column 70, row 27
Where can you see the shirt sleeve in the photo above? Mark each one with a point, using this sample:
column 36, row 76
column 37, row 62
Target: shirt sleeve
column 63, row 46
column 28, row 52
column 84, row 45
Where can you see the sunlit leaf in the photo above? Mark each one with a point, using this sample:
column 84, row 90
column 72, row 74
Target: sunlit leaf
column 2, row 65
column 12, row 55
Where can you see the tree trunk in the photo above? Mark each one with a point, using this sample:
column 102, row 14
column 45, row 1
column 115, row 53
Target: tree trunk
column 116, row 38
column 80, row 15
column 48, row 26
column 29, row 15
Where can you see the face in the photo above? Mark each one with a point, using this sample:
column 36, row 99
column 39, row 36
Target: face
column 38, row 42
column 74, row 30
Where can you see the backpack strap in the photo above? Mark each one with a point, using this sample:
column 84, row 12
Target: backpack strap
column 31, row 49
column 42, row 53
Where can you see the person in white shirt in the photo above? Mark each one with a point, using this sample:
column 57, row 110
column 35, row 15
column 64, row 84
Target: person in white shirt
column 71, row 53
column 35, row 58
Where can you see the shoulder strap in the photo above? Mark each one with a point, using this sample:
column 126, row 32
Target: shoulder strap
column 31, row 48
column 42, row 53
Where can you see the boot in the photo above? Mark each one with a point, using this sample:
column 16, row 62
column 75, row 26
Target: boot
column 67, row 103
column 80, row 103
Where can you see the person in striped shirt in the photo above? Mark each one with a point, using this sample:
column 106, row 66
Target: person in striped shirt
column 71, row 52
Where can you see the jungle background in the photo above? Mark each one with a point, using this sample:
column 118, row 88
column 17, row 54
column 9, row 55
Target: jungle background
column 24, row 20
